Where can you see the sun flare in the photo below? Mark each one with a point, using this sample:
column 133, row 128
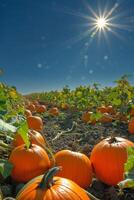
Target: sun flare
column 101, row 23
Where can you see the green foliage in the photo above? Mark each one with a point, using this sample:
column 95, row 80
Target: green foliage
column 128, row 182
column 121, row 97
column 23, row 131
column 5, row 168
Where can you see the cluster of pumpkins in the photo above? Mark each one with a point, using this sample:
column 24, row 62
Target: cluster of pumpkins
column 70, row 172
column 108, row 115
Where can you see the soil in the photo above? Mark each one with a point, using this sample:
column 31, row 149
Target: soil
column 68, row 132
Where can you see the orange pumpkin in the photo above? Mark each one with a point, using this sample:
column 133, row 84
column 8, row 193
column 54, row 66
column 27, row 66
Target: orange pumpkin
column 108, row 158
column 132, row 111
column 110, row 109
column 41, row 109
column 28, row 163
column 35, row 138
column 28, row 113
column 64, row 106
column 86, row 116
column 102, row 109
column 31, row 107
column 131, row 125
column 75, row 166
column 51, row 187
column 35, row 123
column 54, row 111
column 106, row 118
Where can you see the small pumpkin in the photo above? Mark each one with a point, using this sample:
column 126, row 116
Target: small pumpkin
column 28, row 163
column 86, row 116
column 35, row 138
column 28, row 113
column 41, row 108
column 75, row 166
column 35, row 123
column 64, row 106
column 106, row 118
column 50, row 187
column 31, row 107
column 131, row 125
column 102, row 109
column 132, row 111
column 108, row 158
column 54, row 111
column 110, row 109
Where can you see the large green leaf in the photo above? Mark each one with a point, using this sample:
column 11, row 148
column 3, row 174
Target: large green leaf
column 23, row 131
column 5, row 168
column 5, row 127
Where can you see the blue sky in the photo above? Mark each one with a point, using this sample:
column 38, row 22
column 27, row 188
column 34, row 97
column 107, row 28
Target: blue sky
column 39, row 48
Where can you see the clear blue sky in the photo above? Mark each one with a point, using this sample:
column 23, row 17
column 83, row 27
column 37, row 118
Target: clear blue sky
column 39, row 48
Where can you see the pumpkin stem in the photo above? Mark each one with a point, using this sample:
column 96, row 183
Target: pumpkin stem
column 47, row 180
column 112, row 140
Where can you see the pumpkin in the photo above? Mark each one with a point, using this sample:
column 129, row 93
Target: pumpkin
column 102, row 109
column 31, row 107
column 131, row 125
column 86, row 116
column 28, row 113
column 132, row 111
column 108, row 158
column 54, row 111
column 75, row 166
column 28, row 163
column 106, row 118
column 110, row 110
column 51, row 187
column 35, row 138
column 41, row 109
column 64, row 106
column 35, row 123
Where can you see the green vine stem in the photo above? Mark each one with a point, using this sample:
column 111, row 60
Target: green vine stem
column 47, row 180
column 65, row 132
column 48, row 149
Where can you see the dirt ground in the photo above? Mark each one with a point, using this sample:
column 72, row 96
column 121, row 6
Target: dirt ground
column 68, row 132
column 82, row 138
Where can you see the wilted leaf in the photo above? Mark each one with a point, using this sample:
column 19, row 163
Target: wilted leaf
column 5, row 127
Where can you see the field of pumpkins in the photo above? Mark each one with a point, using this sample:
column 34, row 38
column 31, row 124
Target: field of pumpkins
column 69, row 144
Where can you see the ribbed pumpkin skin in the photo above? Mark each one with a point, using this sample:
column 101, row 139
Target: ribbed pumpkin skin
column 75, row 166
column 35, row 137
column 28, row 163
column 108, row 160
column 35, row 123
column 63, row 189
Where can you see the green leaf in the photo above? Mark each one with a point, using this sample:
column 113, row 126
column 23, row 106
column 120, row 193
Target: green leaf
column 128, row 182
column 5, row 168
column 23, row 131
column 116, row 102
column 5, row 127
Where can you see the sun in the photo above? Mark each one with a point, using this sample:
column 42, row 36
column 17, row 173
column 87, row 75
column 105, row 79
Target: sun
column 101, row 23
